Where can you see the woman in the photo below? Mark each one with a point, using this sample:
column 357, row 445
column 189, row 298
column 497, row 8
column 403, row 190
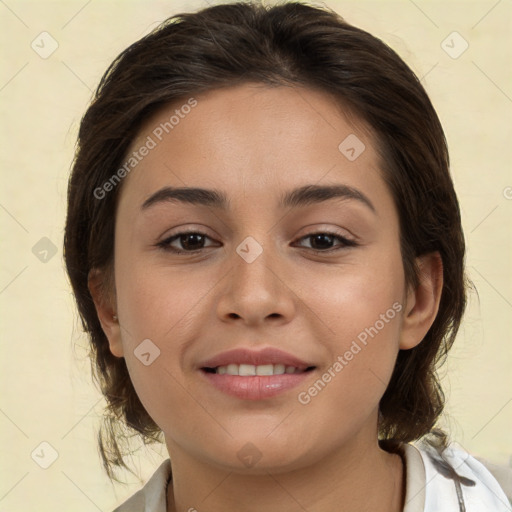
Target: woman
column 266, row 250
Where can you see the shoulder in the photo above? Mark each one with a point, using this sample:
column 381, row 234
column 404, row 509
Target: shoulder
column 153, row 496
column 455, row 480
column 502, row 474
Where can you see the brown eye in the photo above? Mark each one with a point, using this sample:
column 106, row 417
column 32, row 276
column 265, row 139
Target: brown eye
column 323, row 241
column 188, row 242
column 192, row 241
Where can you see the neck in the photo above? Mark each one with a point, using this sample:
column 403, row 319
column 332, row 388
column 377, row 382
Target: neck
column 352, row 478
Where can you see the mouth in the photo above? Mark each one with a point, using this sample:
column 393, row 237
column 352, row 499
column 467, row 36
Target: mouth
column 255, row 375
column 261, row 370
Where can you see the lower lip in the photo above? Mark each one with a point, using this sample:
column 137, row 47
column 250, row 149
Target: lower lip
column 257, row 387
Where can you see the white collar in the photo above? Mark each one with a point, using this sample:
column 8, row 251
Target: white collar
column 427, row 490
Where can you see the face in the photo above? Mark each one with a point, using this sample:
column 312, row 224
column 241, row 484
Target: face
column 309, row 284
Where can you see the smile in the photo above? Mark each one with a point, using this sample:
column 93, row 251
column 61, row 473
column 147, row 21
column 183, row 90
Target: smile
column 255, row 375
column 250, row 370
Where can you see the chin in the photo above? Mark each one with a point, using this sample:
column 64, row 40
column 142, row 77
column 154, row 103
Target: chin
column 262, row 454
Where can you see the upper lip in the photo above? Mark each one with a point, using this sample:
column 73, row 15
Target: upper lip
column 260, row 357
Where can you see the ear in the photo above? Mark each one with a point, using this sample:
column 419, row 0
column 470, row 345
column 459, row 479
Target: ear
column 104, row 301
column 422, row 303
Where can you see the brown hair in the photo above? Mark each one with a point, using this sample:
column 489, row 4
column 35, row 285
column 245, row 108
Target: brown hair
column 288, row 44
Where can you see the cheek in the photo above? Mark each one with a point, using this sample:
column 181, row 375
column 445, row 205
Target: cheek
column 351, row 298
column 157, row 305
column 165, row 306
column 361, row 312
column 157, row 302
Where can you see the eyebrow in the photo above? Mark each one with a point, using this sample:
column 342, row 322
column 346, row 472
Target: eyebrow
column 302, row 196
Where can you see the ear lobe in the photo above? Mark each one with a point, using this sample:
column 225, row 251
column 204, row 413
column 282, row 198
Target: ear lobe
column 423, row 302
column 105, row 308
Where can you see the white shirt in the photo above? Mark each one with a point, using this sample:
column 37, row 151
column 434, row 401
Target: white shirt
column 427, row 489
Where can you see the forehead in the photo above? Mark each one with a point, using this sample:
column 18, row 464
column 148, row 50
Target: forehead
column 253, row 139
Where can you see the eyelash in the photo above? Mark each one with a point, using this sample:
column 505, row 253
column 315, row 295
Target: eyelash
column 165, row 244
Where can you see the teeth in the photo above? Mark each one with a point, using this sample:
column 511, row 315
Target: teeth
column 278, row 369
column 248, row 370
column 232, row 369
column 264, row 369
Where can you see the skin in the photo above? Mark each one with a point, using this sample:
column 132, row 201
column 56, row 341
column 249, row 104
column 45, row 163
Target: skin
column 254, row 143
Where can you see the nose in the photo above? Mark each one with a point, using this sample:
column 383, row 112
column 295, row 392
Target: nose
column 258, row 289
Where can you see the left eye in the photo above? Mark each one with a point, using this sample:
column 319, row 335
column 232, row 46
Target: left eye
column 321, row 240
column 193, row 241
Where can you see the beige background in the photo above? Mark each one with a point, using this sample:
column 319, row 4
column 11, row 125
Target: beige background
column 46, row 390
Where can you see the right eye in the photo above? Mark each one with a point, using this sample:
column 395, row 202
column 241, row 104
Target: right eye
column 190, row 242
